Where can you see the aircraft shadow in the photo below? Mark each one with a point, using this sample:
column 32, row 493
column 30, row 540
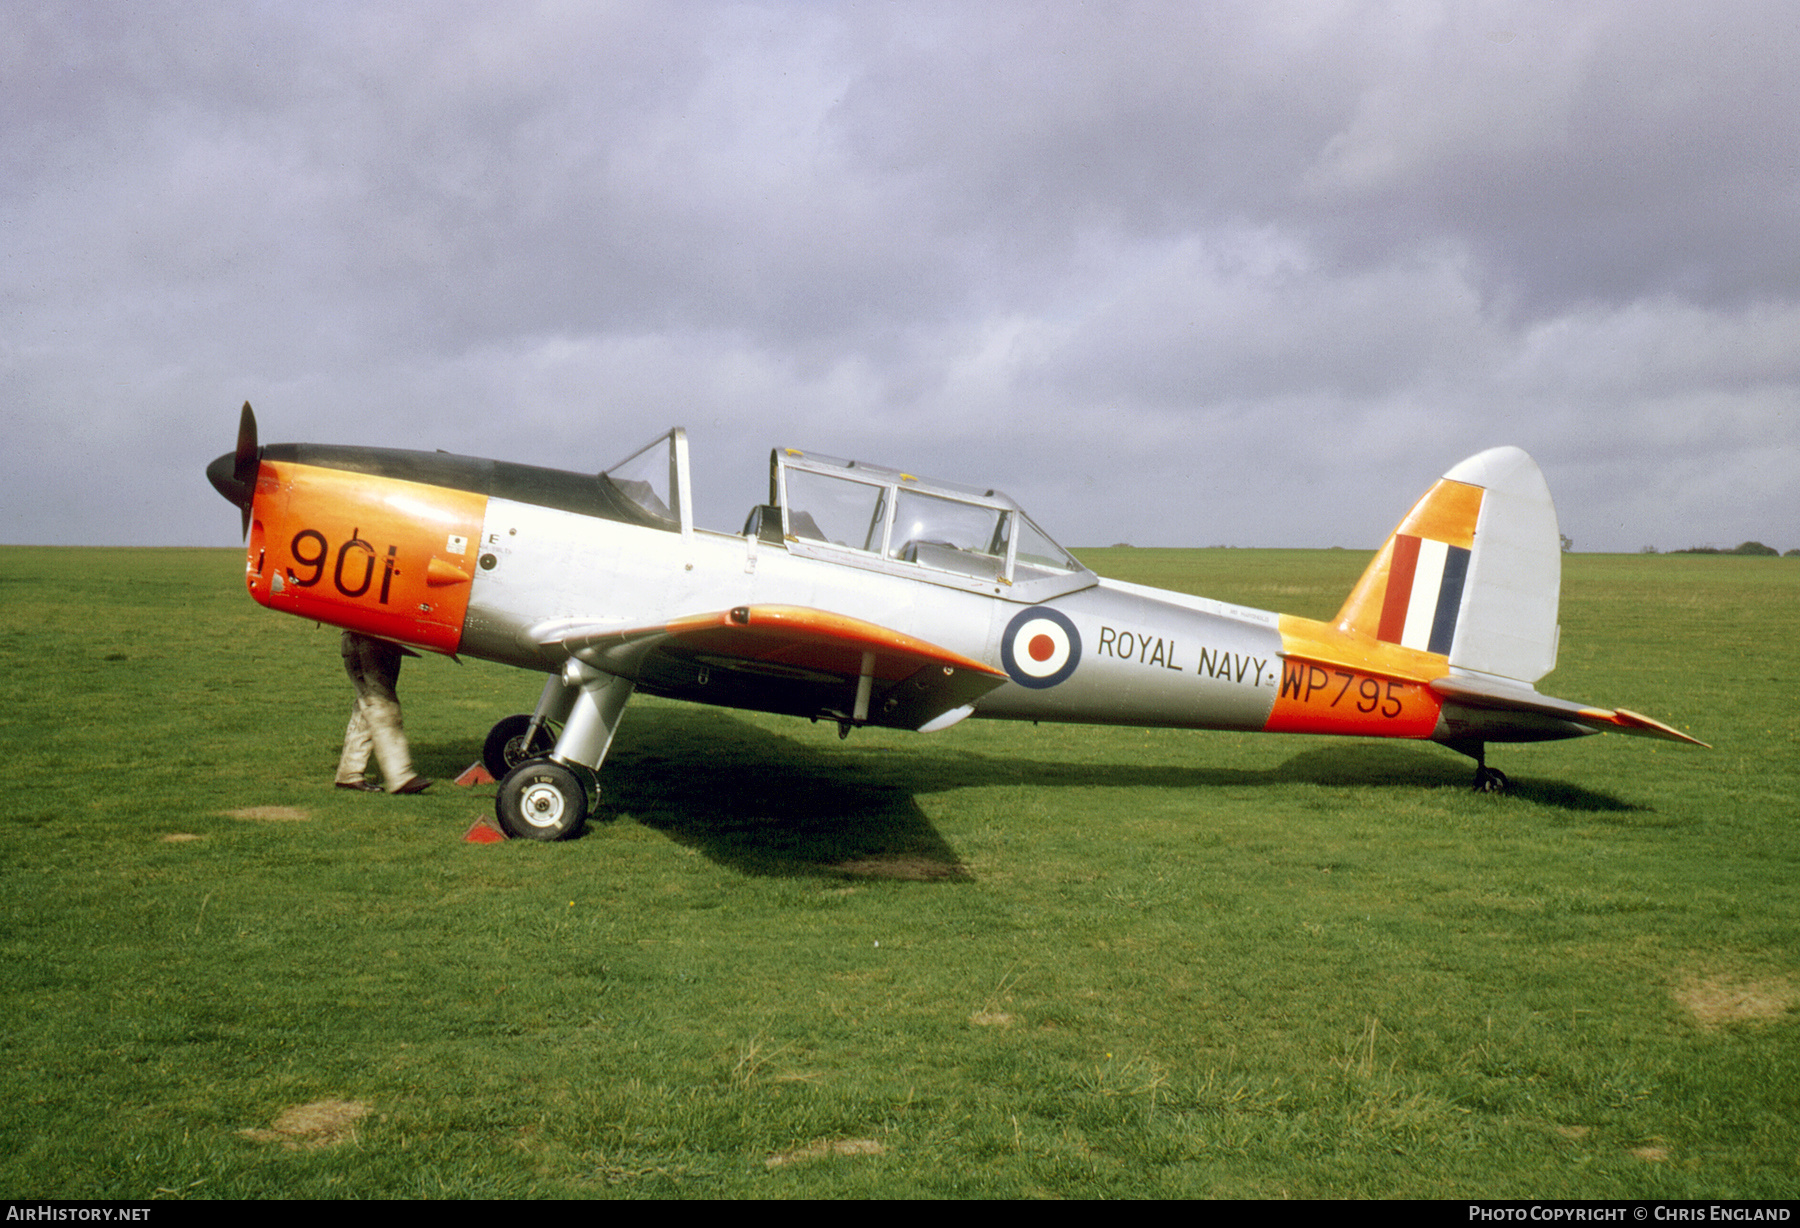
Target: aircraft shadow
column 767, row 804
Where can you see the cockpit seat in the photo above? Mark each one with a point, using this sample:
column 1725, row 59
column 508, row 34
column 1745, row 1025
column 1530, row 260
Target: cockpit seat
column 764, row 523
column 804, row 525
column 946, row 557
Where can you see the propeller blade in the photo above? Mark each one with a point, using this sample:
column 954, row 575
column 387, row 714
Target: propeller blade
column 247, row 460
column 234, row 474
column 245, row 469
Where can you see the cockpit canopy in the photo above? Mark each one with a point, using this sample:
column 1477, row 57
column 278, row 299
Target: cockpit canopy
column 890, row 521
column 654, row 479
column 866, row 516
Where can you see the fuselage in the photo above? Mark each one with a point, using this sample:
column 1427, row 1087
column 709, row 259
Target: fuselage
column 459, row 555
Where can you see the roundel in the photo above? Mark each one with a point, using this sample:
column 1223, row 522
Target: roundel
column 1040, row 648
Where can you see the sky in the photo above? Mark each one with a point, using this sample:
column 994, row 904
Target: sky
column 1179, row 274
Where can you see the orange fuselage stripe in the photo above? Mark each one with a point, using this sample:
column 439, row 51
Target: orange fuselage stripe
column 1344, row 682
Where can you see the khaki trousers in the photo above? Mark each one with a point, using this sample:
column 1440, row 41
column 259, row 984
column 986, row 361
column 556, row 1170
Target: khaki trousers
column 375, row 722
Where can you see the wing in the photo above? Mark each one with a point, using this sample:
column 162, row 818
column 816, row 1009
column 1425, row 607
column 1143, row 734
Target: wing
column 788, row 659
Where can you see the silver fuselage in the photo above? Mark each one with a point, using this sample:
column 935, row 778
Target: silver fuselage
column 1146, row 657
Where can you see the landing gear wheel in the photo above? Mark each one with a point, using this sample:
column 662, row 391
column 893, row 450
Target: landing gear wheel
column 505, row 748
column 541, row 800
column 1490, row 780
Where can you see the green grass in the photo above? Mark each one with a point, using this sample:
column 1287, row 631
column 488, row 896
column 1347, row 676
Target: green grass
column 1019, row 961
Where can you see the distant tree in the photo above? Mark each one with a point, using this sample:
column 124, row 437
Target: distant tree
column 1792, row 554
column 1648, row 550
column 1753, row 548
column 1568, row 543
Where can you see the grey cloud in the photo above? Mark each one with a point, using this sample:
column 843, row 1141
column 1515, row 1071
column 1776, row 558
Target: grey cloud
column 1145, row 266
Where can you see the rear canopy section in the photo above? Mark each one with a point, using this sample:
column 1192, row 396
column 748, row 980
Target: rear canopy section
column 881, row 519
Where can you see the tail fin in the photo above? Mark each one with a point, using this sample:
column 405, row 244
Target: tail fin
column 1473, row 572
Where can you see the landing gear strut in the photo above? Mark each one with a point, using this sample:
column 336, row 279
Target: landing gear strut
column 1487, row 779
column 508, row 746
column 543, row 795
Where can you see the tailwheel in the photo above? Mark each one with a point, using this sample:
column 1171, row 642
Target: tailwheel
column 1489, row 780
column 506, row 746
column 541, row 800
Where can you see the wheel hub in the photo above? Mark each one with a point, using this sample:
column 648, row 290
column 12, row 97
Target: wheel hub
column 543, row 805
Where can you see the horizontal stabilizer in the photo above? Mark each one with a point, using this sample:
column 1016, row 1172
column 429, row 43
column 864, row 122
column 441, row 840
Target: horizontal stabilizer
column 1501, row 696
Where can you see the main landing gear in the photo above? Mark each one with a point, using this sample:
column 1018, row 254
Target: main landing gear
column 542, row 800
column 543, row 787
column 511, row 742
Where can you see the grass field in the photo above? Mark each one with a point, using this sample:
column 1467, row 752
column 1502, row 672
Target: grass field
column 998, row 961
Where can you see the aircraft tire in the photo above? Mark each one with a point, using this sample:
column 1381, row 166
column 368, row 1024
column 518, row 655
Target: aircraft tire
column 505, row 748
column 541, row 800
column 1490, row 780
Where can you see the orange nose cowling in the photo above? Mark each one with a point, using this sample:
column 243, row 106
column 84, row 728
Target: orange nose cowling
column 379, row 555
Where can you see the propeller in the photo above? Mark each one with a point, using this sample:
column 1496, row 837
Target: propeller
column 234, row 474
